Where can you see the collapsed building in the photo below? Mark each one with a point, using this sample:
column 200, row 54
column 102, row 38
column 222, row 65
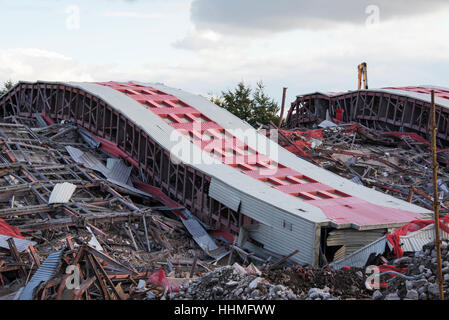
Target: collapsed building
column 269, row 203
column 403, row 109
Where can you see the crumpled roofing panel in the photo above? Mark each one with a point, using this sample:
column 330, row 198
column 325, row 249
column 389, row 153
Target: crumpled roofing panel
column 46, row 271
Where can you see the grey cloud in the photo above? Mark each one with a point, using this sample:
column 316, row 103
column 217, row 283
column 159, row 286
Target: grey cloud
column 268, row 16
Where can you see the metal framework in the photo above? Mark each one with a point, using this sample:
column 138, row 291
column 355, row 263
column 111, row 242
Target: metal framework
column 385, row 110
column 182, row 183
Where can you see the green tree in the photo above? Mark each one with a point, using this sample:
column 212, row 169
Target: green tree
column 253, row 106
column 8, row 85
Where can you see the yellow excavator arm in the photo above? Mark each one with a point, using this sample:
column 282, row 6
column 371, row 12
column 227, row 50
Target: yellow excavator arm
column 363, row 74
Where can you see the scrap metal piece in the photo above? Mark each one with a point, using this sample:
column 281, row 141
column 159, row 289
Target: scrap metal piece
column 326, row 124
column 119, row 172
column 416, row 240
column 360, row 257
column 201, row 237
column 45, row 272
column 62, row 192
column 21, row 244
column 88, row 138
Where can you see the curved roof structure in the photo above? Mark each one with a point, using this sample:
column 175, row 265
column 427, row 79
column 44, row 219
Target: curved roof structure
column 308, row 187
column 421, row 92
column 392, row 108
column 289, row 198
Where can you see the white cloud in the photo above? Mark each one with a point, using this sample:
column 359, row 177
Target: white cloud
column 36, row 64
column 131, row 14
column 203, row 41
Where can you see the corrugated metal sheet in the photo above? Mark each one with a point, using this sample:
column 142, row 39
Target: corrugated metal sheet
column 415, row 241
column 199, row 234
column 21, row 244
column 352, row 240
column 92, row 162
column 131, row 188
column 94, row 241
column 201, row 237
column 46, row 271
column 74, row 153
column 271, row 231
column 115, row 170
column 360, row 257
column 87, row 159
column 61, row 193
column 119, row 172
column 110, row 162
column 410, row 243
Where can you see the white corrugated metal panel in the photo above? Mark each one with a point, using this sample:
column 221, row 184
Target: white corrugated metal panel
column 93, row 242
column 353, row 240
column 61, row 193
column 115, row 170
column 120, row 172
column 87, row 137
column 75, row 153
column 87, row 159
column 258, row 195
column 201, row 237
column 21, row 244
column 416, row 240
column 92, row 162
column 360, row 257
column 272, row 232
column 110, row 162
column 131, row 188
column 285, row 242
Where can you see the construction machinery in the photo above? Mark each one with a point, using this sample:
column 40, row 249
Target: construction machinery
column 363, row 73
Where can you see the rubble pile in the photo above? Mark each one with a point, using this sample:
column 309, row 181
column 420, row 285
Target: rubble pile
column 340, row 284
column 64, row 203
column 420, row 281
column 396, row 163
column 226, row 283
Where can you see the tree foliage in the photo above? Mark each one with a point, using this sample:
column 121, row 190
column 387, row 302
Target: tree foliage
column 8, row 85
column 253, row 106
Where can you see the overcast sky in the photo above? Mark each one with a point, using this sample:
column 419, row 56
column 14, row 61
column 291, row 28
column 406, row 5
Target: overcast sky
column 205, row 46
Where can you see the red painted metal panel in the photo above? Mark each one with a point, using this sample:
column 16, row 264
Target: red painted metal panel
column 306, row 187
column 440, row 93
column 358, row 212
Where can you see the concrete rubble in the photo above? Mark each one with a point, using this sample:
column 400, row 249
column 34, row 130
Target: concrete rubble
column 226, row 283
column 422, row 266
